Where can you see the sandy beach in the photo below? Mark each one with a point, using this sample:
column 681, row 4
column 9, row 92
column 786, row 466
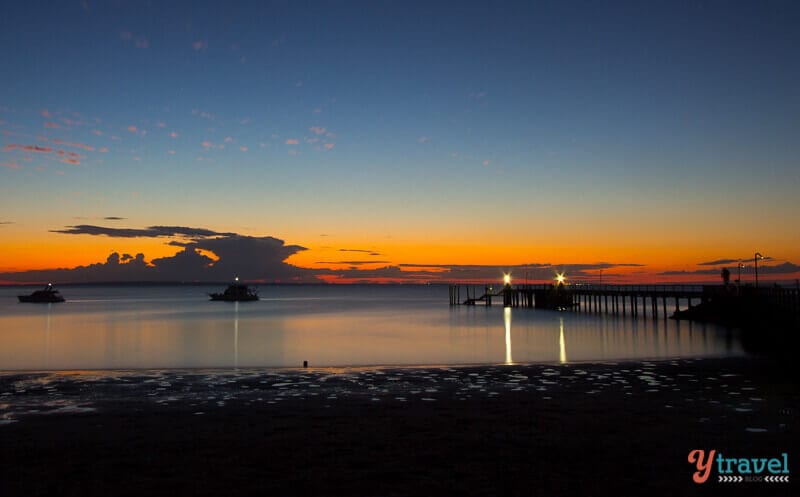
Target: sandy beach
column 567, row 429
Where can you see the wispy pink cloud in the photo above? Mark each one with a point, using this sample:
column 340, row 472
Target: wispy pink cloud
column 74, row 162
column 28, row 148
column 199, row 45
column 171, row 152
column 103, row 150
column 318, row 130
column 207, row 144
column 161, row 125
column 142, row 42
column 329, row 146
column 45, row 113
column 76, row 145
column 173, row 135
column 10, row 165
column 228, row 139
column 487, row 162
column 423, row 139
column 97, row 132
column 125, row 35
column 51, row 125
column 243, row 148
column 133, row 129
column 292, row 141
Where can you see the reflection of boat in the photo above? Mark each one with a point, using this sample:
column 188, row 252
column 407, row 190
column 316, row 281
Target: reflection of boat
column 45, row 296
column 236, row 293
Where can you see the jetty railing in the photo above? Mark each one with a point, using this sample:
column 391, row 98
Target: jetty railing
column 656, row 301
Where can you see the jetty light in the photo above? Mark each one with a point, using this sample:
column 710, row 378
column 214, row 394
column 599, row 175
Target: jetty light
column 560, row 278
column 506, row 278
column 236, row 278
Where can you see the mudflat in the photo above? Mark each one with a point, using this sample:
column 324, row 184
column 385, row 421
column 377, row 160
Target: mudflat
column 622, row 428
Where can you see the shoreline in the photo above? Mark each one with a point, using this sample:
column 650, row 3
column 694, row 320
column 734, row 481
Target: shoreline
column 572, row 429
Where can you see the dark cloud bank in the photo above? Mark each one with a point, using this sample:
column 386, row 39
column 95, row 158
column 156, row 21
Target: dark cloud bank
column 206, row 255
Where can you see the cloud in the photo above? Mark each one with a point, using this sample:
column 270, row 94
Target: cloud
column 46, row 113
column 149, row 232
column 228, row 139
column 97, row 132
column 173, row 134
column 291, row 141
column 243, row 148
column 125, row 35
column 114, row 218
column 28, row 148
column 141, row 42
column 74, row 162
column 103, row 149
column 487, row 162
column 251, row 258
column 784, row 268
column 73, row 144
column 203, row 114
column 329, row 146
column 423, row 139
column 133, row 129
column 10, row 165
column 207, row 144
column 51, row 125
column 317, row 130
column 719, row 262
column 6, row 222
column 199, row 45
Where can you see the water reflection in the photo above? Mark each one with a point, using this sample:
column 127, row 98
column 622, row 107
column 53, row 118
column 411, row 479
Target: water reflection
column 152, row 328
column 507, row 322
column 236, row 335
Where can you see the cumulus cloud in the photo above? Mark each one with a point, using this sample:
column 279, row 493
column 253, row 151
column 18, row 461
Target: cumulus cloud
column 251, row 258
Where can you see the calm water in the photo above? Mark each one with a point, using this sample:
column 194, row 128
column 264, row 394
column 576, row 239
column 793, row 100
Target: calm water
column 177, row 327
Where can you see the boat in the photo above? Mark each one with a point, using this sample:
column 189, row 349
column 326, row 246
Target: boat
column 47, row 295
column 236, row 292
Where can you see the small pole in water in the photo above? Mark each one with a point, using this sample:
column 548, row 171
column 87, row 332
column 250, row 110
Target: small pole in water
column 305, row 364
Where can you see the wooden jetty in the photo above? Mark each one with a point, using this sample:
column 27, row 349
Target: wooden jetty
column 656, row 301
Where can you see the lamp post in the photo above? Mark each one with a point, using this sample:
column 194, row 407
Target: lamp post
column 739, row 281
column 756, row 257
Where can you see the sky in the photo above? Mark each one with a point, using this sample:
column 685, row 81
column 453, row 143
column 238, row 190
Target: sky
column 630, row 142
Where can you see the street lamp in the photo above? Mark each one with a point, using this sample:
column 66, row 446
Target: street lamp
column 756, row 257
column 506, row 279
column 739, row 281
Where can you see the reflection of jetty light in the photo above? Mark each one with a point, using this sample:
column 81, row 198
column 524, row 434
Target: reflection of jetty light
column 236, row 334
column 506, row 278
column 562, row 347
column 507, row 322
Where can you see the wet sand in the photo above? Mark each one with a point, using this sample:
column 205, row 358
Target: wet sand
column 573, row 429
